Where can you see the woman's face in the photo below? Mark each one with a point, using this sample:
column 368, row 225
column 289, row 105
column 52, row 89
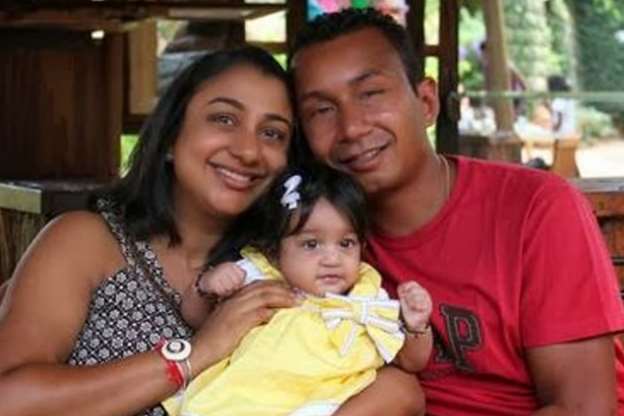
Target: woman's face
column 233, row 141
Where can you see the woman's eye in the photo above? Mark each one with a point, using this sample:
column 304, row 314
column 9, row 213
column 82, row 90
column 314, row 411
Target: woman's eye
column 223, row 119
column 275, row 134
column 310, row 244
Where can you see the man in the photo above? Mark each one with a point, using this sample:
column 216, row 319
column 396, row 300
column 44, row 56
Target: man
column 525, row 297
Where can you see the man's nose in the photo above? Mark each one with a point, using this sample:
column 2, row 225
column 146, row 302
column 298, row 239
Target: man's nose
column 353, row 122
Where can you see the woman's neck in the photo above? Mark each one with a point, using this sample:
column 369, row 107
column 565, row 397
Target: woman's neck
column 199, row 232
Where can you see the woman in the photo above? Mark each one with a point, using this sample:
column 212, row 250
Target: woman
column 216, row 139
column 96, row 292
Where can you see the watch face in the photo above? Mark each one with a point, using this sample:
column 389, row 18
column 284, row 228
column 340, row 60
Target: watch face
column 176, row 349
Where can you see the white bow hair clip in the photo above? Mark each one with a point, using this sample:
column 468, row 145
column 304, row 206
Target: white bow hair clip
column 291, row 197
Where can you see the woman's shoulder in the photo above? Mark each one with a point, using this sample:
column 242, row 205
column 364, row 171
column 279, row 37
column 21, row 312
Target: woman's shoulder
column 84, row 226
column 79, row 237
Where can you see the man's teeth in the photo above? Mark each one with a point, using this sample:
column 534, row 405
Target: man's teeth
column 368, row 155
column 234, row 175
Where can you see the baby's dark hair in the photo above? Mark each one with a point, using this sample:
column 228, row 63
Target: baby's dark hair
column 268, row 221
column 317, row 181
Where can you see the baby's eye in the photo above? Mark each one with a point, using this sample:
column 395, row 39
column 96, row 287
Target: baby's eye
column 310, row 244
column 348, row 242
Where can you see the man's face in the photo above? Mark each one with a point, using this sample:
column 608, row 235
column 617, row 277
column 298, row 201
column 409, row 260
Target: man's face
column 359, row 112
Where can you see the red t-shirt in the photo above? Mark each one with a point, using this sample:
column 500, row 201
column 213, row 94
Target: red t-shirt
column 514, row 260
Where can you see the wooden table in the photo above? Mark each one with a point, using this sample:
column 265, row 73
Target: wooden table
column 606, row 196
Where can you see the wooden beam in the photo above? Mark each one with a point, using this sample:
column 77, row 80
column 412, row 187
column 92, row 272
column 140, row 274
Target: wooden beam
column 447, row 134
column 496, row 66
column 141, row 68
column 416, row 30
column 431, row 50
column 68, row 12
column 75, row 21
column 296, row 18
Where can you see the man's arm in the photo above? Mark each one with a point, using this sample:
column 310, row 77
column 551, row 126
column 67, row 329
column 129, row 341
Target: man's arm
column 575, row 378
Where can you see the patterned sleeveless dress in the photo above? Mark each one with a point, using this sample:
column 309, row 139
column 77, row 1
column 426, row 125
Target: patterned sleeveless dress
column 129, row 312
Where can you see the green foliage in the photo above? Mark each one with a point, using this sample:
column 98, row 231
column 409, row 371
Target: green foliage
column 128, row 142
column 601, row 56
column 563, row 47
column 595, row 124
column 529, row 40
column 471, row 34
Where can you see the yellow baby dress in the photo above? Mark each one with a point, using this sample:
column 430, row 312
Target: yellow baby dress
column 306, row 360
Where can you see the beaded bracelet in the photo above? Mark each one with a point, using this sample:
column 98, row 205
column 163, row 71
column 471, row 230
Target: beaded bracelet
column 418, row 333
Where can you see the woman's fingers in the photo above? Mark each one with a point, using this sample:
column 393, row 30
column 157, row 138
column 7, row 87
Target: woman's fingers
column 233, row 318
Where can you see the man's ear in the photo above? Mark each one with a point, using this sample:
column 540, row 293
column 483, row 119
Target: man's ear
column 427, row 91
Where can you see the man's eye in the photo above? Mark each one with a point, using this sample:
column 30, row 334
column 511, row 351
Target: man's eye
column 321, row 110
column 310, row 244
column 372, row 93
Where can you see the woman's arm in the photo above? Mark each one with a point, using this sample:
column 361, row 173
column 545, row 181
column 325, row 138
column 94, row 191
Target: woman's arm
column 47, row 305
column 394, row 393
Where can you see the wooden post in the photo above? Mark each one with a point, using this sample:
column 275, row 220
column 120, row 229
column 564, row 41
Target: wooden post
column 416, row 30
column 496, row 67
column 296, row 17
column 447, row 134
column 142, row 68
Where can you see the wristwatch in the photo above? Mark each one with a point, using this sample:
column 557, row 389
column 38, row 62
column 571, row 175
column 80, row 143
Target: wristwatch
column 176, row 350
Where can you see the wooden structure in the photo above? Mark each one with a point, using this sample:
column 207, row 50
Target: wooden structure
column 79, row 73
column 606, row 196
column 68, row 95
column 75, row 75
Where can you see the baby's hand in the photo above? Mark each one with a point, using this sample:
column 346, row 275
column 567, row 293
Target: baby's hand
column 223, row 280
column 416, row 306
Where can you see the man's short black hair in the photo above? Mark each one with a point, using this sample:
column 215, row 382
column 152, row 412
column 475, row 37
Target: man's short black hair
column 330, row 26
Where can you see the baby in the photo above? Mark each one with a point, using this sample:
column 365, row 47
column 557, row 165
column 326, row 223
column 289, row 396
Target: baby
column 310, row 359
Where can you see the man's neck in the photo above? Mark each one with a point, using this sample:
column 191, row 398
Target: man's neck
column 406, row 209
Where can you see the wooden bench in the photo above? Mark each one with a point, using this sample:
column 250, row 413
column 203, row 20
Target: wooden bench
column 564, row 157
column 606, row 195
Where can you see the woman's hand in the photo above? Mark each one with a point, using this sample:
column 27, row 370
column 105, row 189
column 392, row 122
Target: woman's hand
column 233, row 318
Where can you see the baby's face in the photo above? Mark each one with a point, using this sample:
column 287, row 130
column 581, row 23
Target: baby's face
column 324, row 256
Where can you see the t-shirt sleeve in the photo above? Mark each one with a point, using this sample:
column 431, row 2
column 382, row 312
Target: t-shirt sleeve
column 569, row 288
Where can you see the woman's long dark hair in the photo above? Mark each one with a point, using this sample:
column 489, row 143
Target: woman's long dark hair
column 144, row 196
